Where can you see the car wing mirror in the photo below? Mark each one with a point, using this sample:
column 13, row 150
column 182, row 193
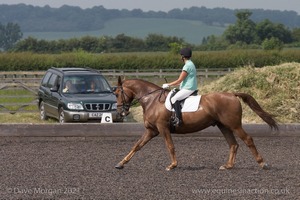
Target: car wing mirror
column 54, row 89
column 114, row 88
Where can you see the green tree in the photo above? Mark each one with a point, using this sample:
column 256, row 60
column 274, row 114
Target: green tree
column 9, row 35
column 28, row 44
column 213, row 43
column 174, row 47
column 267, row 30
column 89, row 44
column 243, row 30
column 272, row 44
column 296, row 34
column 158, row 42
column 122, row 42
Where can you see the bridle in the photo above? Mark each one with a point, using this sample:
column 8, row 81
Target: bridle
column 126, row 105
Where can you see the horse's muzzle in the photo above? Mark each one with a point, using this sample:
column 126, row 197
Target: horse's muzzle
column 124, row 113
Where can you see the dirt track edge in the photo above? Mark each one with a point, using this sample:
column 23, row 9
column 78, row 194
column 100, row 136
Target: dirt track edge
column 125, row 129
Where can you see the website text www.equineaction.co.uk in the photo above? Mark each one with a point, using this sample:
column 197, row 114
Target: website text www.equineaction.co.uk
column 272, row 191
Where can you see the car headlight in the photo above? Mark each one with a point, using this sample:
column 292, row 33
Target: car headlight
column 114, row 106
column 75, row 106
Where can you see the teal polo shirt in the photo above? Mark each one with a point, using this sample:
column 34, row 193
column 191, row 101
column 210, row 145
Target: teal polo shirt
column 190, row 82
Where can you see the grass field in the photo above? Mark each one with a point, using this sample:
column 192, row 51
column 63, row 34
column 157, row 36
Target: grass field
column 19, row 96
column 192, row 31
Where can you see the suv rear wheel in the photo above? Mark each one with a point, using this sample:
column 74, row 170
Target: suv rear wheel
column 42, row 111
column 61, row 116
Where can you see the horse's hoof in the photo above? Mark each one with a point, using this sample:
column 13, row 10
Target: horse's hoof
column 224, row 167
column 169, row 168
column 119, row 166
column 265, row 166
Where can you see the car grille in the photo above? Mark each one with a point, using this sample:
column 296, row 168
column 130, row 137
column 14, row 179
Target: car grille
column 97, row 106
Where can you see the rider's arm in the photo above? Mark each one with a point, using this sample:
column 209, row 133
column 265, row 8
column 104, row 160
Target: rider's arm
column 182, row 76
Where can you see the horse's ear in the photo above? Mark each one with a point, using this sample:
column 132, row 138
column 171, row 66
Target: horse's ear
column 119, row 81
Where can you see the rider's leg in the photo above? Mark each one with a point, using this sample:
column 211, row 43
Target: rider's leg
column 178, row 119
column 175, row 100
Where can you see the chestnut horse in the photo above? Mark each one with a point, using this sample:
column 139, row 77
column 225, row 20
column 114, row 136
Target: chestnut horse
column 221, row 109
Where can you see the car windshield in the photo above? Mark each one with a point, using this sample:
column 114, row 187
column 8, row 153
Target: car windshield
column 85, row 84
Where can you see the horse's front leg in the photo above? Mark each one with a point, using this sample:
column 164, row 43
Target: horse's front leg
column 171, row 148
column 146, row 137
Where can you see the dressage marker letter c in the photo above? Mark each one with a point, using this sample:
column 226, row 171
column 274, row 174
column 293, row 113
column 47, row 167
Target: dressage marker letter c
column 106, row 118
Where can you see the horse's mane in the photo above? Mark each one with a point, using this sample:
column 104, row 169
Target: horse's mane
column 140, row 83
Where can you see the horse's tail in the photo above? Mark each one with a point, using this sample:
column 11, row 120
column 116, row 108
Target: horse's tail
column 253, row 104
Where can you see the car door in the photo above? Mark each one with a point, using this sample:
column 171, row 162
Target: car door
column 52, row 96
column 44, row 91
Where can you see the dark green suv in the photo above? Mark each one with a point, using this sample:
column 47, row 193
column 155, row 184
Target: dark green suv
column 76, row 95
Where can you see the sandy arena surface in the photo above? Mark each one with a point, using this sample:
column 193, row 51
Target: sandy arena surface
column 83, row 168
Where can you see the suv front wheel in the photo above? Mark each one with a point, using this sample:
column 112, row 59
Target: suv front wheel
column 61, row 116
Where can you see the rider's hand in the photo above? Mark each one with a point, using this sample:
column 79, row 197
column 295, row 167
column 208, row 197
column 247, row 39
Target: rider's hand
column 165, row 86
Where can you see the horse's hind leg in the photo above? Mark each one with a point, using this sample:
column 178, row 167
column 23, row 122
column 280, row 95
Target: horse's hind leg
column 233, row 146
column 147, row 136
column 249, row 142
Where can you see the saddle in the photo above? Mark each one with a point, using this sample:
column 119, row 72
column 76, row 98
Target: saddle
column 190, row 104
column 175, row 90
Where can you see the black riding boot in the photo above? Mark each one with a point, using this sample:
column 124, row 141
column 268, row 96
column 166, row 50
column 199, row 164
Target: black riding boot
column 178, row 119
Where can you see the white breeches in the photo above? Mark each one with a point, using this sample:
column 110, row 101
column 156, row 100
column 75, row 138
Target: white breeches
column 182, row 94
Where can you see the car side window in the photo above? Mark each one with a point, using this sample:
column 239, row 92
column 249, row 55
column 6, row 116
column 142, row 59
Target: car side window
column 53, row 81
column 58, row 82
column 46, row 79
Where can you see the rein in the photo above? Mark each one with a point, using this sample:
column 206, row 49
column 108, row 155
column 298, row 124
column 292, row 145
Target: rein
column 126, row 105
column 160, row 89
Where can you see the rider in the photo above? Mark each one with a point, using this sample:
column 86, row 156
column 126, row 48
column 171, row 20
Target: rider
column 187, row 81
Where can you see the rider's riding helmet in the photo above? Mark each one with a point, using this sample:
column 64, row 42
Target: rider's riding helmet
column 186, row 52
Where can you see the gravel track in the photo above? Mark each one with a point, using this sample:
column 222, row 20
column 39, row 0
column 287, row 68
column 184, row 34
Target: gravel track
column 83, row 168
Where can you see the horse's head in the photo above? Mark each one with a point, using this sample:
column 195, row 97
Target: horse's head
column 124, row 98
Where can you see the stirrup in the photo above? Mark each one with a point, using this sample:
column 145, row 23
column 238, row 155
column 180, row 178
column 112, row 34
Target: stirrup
column 176, row 121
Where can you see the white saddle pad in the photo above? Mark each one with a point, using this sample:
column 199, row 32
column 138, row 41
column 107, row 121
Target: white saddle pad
column 191, row 104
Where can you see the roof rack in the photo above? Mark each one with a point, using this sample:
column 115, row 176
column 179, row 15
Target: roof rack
column 75, row 69
column 94, row 70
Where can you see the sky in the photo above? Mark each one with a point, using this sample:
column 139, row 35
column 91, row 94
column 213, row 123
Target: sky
column 167, row 5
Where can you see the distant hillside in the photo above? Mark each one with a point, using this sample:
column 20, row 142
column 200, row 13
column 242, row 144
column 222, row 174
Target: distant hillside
column 192, row 24
column 191, row 31
column 70, row 18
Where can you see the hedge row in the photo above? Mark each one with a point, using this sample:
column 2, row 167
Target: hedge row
column 155, row 60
